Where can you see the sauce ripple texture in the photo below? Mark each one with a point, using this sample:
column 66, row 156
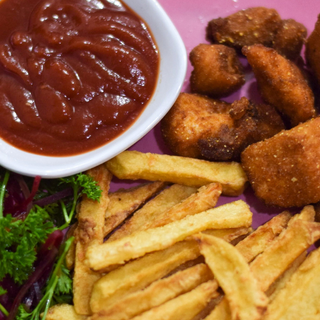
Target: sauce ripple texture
column 74, row 74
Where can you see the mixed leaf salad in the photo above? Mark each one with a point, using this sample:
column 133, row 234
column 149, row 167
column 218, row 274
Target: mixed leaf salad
column 34, row 216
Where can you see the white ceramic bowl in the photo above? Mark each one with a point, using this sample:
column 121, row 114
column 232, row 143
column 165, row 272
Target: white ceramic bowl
column 173, row 64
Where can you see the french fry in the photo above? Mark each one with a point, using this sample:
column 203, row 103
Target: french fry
column 156, row 294
column 299, row 299
column 297, row 238
column 259, row 240
column 186, row 306
column 281, row 282
column 307, row 213
column 137, row 274
column 89, row 232
column 63, row 312
column 71, row 254
column 205, row 198
column 231, row 270
column 182, row 170
column 231, row 215
column 276, row 259
column 125, row 201
column 162, row 202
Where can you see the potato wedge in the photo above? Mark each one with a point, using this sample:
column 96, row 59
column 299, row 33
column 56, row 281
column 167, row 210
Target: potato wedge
column 156, row 294
column 150, row 211
column 185, row 306
column 187, row 171
column 89, row 232
column 231, row 215
column 229, row 267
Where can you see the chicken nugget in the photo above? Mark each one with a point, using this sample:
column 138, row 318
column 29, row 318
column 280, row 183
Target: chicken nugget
column 200, row 127
column 284, row 170
column 313, row 50
column 217, row 70
column 281, row 83
column 290, row 38
column 245, row 28
column 191, row 117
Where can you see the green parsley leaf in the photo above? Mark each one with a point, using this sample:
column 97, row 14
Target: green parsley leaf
column 19, row 240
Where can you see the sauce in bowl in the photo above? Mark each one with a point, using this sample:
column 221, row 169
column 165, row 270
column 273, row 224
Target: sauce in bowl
column 74, row 74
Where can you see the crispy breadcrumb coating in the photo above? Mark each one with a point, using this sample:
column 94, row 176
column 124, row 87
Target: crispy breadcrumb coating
column 245, row 28
column 313, row 50
column 281, row 83
column 200, row 127
column 289, row 39
column 217, row 70
column 284, row 170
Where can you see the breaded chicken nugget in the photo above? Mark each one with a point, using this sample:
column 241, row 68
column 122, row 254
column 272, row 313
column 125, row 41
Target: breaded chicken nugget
column 245, row 28
column 285, row 169
column 313, row 50
column 290, row 38
column 217, row 70
column 200, row 127
column 191, row 117
column 281, row 83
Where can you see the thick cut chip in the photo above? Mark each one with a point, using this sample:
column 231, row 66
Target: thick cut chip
column 187, row 171
column 156, row 294
column 89, row 232
column 138, row 274
column 299, row 299
column 259, row 240
column 149, row 212
column 125, row 201
column 276, row 259
column 186, row 306
column 63, row 312
column 232, row 215
column 233, row 273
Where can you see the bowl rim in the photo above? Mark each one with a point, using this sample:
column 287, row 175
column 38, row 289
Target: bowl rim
column 165, row 35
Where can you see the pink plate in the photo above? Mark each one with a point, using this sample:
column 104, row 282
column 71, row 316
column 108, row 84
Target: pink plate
column 190, row 18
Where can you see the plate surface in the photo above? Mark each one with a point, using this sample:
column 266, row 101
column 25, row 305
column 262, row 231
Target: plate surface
column 190, row 18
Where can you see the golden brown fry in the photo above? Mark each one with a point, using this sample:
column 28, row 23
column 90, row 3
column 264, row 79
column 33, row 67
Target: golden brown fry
column 307, row 214
column 281, row 282
column 185, row 306
column 245, row 27
column 295, row 154
column 204, row 199
column 276, row 259
column 260, row 239
column 63, row 312
column 297, row 238
column 186, row 171
column 89, row 232
column 289, row 39
column 150, row 211
column 156, row 294
column 137, row 274
column 125, row 201
column 245, row 298
column 231, row 215
column 281, row 83
column 299, row 299
column 217, row 71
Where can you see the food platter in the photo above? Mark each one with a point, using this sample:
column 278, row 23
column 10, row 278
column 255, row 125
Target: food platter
column 191, row 18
